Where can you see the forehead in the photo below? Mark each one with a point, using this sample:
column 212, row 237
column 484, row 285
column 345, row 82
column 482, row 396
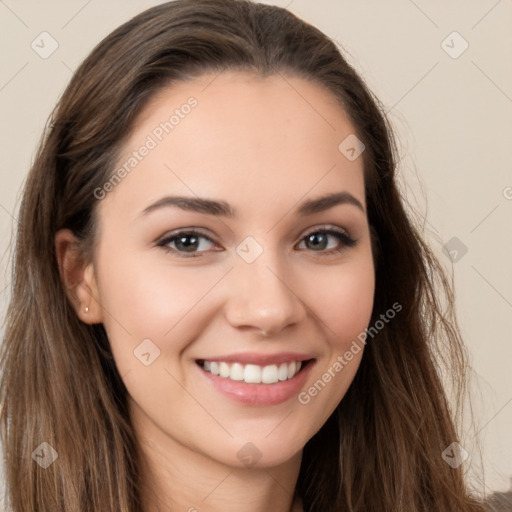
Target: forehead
column 240, row 137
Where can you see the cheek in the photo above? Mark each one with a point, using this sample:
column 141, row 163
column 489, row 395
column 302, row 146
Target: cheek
column 343, row 301
column 344, row 306
column 142, row 301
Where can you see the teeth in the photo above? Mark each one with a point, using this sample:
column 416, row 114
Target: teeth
column 237, row 371
column 214, row 368
column 224, row 369
column 291, row 369
column 269, row 374
column 252, row 373
column 282, row 373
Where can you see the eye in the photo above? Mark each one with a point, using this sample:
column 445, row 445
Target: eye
column 186, row 242
column 318, row 240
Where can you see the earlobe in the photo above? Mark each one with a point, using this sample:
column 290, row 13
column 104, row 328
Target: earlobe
column 78, row 278
column 91, row 312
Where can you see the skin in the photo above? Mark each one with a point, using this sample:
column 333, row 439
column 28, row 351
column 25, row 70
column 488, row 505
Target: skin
column 264, row 145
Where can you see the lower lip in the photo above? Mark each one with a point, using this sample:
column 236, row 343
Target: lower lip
column 259, row 394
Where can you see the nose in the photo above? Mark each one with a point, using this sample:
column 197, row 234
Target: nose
column 262, row 296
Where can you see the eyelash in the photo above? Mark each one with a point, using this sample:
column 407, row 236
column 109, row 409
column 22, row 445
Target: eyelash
column 346, row 241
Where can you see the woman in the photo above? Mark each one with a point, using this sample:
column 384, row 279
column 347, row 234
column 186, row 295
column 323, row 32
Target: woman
column 219, row 300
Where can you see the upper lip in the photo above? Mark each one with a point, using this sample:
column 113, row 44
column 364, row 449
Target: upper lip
column 259, row 359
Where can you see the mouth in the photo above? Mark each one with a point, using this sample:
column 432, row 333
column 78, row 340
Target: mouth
column 254, row 373
column 253, row 384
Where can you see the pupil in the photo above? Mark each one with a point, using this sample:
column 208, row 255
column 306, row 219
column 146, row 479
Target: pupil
column 182, row 241
column 314, row 238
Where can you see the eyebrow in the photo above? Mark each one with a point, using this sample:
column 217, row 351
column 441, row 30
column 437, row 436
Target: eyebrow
column 223, row 209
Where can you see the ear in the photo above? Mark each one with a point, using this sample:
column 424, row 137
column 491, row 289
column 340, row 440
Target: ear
column 78, row 278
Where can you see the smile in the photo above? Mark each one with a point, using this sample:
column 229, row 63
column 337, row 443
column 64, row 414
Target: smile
column 252, row 373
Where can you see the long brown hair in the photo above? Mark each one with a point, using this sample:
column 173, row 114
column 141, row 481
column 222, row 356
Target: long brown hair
column 381, row 448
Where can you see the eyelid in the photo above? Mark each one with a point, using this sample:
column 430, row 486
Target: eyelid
column 326, row 227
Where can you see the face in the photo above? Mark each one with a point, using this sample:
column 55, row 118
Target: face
column 245, row 288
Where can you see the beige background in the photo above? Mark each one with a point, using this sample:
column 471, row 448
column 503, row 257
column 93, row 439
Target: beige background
column 453, row 118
